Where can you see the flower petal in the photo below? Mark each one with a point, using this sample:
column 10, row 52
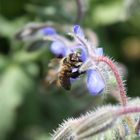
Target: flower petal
column 95, row 84
column 48, row 31
column 58, row 48
column 99, row 51
column 78, row 31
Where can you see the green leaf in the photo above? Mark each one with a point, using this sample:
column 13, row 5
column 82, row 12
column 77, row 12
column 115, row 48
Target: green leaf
column 14, row 84
column 9, row 28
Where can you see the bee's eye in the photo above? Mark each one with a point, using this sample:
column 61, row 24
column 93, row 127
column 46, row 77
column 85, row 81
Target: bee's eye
column 72, row 57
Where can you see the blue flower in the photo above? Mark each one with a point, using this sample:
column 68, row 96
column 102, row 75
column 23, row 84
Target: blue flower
column 59, row 49
column 78, row 31
column 95, row 83
column 48, row 31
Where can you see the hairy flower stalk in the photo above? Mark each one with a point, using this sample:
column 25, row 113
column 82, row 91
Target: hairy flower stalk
column 93, row 123
column 128, row 109
column 122, row 92
column 117, row 76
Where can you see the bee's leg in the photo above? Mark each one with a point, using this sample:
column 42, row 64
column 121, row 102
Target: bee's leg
column 76, row 74
column 78, row 65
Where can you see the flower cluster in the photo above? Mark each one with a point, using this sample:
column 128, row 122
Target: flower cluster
column 94, row 80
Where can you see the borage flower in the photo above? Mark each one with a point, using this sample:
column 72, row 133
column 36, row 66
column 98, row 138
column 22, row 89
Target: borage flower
column 95, row 82
column 61, row 47
column 58, row 47
column 48, row 31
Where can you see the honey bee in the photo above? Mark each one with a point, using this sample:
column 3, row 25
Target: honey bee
column 73, row 60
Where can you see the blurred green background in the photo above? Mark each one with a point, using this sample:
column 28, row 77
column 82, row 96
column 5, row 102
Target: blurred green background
column 29, row 108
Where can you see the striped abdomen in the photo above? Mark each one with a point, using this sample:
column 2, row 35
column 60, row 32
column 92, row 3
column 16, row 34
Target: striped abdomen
column 64, row 77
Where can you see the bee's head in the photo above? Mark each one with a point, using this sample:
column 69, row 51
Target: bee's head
column 75, row 57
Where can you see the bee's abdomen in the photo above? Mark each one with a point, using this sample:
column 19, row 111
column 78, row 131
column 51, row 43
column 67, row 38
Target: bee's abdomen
column 64, row 77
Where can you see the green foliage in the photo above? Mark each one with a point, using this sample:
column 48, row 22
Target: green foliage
column 107, row 13
column 14, row 85
column 29, row 108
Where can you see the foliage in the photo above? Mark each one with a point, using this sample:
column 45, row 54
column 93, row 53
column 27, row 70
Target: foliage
column 29, row 107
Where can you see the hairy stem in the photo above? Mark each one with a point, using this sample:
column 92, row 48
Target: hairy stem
column 128, row 109
column 118, row 78
column 123, row 96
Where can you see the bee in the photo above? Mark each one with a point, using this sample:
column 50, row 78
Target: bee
column 70, row 62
